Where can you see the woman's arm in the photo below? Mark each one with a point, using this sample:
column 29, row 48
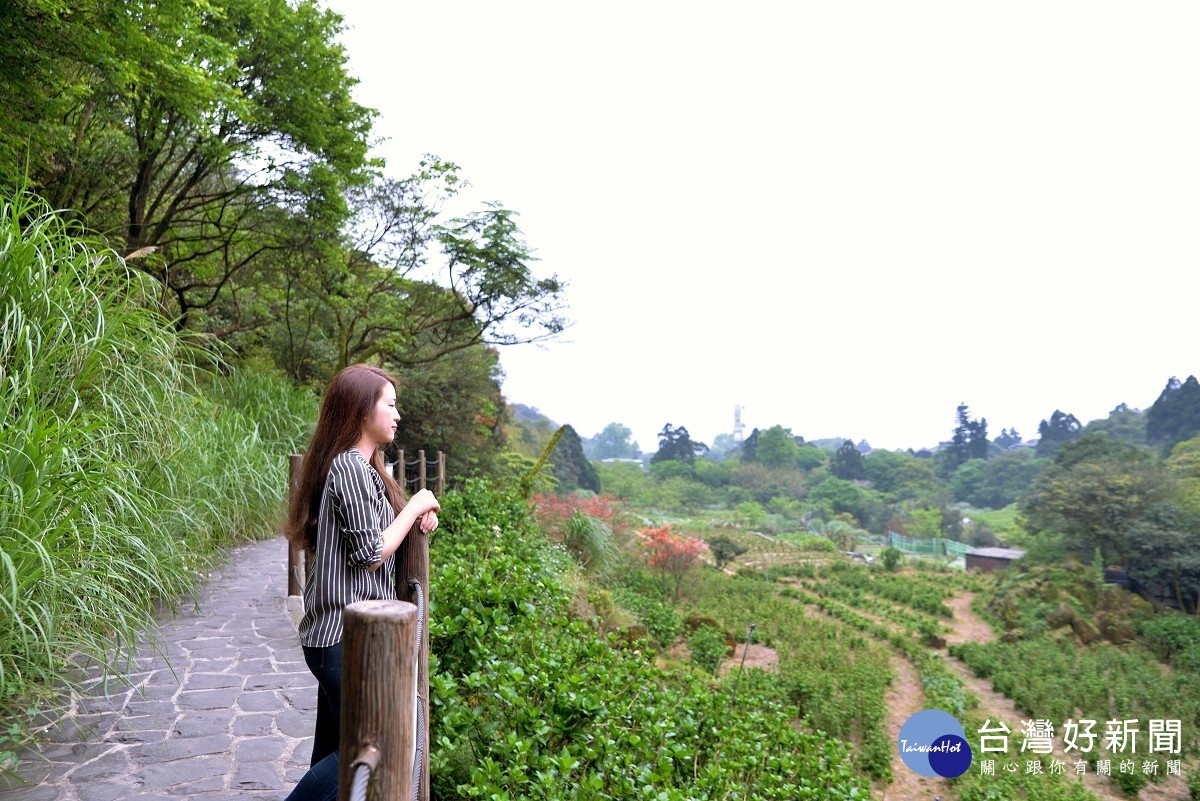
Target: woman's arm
column 420, row 508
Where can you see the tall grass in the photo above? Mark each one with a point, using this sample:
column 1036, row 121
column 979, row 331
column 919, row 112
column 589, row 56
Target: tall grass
column 118, row 478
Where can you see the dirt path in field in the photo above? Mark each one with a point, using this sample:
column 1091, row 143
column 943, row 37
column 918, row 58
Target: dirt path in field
column 967, row 626
column 905, row 698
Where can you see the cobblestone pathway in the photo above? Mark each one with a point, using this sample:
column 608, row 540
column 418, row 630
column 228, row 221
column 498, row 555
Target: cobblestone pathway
column 223, row 708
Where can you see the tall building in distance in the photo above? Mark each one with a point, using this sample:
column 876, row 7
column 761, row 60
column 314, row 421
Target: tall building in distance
column 737, row 424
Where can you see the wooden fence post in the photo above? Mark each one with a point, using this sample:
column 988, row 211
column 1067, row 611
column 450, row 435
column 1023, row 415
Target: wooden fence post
column 295, row 584
column 421, row 483
column 412, row 566
column 441, row 477
column 379, row 672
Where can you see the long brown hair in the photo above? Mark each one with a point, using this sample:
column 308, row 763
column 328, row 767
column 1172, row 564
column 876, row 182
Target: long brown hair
column 349, row 398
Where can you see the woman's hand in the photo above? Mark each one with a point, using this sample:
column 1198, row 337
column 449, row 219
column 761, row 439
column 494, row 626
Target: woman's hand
column 424, row 501
column 428, row 522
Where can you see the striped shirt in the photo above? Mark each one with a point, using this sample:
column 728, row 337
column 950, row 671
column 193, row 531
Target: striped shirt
column 353, row 513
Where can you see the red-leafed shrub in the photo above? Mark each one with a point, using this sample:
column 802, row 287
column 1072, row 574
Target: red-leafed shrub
column 671, row 554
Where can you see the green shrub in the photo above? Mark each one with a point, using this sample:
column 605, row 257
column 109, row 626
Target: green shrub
column 531, row 704
column 660, row 618
column 708, row 648
column 1170, row 634
column 1130, row 782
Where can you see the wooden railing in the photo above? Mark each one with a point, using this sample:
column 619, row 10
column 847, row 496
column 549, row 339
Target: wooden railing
column 385, row 678
column 400, row 472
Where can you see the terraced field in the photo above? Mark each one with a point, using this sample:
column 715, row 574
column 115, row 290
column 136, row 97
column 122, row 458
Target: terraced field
column 917, row 613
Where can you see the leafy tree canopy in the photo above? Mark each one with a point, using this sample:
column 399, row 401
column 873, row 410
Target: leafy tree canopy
column 1122, row 423
column 1059, row 429
column 571, row 467
column 674, row 444
column 1092, row 493
column 614, row 443
column 848, row 463
column 777, row 447
column 1175, row 416
column 969, row 440
column 1009, row 438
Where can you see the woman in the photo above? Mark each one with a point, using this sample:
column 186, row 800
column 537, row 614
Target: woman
column 349, row 515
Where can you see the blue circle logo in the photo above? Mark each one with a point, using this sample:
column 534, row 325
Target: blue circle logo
column 933, row 743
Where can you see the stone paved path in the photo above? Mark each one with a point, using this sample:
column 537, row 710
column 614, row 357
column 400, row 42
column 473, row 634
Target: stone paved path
column 225, row 710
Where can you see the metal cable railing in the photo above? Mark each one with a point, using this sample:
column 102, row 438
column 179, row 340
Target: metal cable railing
column 362, row 775
column 418, row 701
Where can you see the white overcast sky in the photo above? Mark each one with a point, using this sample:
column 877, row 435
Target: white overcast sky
column 844, row 217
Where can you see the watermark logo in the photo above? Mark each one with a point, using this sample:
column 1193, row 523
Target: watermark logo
column 933, row 743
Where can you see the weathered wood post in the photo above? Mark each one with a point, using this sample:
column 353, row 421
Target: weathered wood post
column 295, row 584
column 421, row 480
column 379, row 673
column 441, row 477
column 412, row 585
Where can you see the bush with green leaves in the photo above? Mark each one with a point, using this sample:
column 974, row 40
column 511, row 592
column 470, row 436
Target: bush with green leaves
column 890, row 557
column 708, row 648
column 1174, row 637
column 528, row 703
column 725, row 550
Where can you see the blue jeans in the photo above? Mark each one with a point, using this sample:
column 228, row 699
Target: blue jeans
column 320, row 783
column 326, row 665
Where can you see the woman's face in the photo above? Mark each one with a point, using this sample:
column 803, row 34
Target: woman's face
column 380, row 423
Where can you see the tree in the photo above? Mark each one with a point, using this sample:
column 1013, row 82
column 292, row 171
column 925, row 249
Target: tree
column 848, row 463
column 891, row 558
column 1009, row 438
column 571, row 467
column 777, row 447
column 1052, row 434
column 881, row 468
column 1164, row 551
column 723, row 445
column 454, row 405
column 969, row 440
column 916, row 480
column 192, row 124
column 836, row 496
column 996, row 482
column 488, row 274
column 749, row 449
column 484, row 294
column 1122, row 423
column 1175, row 415
column 48, row 67
column 1184, row 461
column 613, row 443
column 670, row 554
column 809, row 457
column 725, row 550
column 674, row 444
column 1091, row 495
